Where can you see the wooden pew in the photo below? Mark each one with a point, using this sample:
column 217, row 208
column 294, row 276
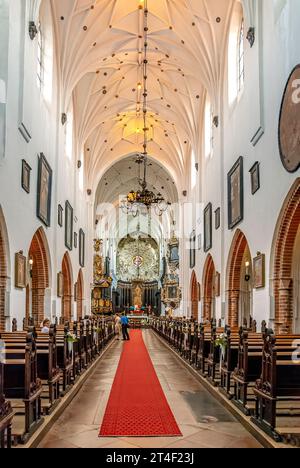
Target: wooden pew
column 229, row 361
column 6, row 413
column 248, row 368
column 64, row 357
column 22, row 386
column 278, row 389
column 195, row 346
column 213, row 360
column 204, row 348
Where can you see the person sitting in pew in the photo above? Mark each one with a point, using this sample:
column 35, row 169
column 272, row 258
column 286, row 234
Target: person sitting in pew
column 46, row 326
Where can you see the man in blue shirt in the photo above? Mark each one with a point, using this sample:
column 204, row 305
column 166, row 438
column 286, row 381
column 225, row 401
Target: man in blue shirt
column 125, row 327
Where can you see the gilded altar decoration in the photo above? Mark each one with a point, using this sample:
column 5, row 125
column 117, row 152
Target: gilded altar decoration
column 138, row 259
column 171, row 292
column 101, row 294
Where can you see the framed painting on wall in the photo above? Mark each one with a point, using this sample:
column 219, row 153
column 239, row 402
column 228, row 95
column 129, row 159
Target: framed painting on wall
column 20, row 271
column 26, row 173
column 69, row 220
column 44, row 191
column 193, row 250
column 236, row 194
column 208, row 228
column 75, row 240
column 218, row 219
column 60, row 284
column 259, row 267
column 81, row 248
column 218, row 285
column 60, row 212
column 255, row 178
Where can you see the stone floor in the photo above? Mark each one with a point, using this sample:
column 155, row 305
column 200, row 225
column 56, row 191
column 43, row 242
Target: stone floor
column 204, row 423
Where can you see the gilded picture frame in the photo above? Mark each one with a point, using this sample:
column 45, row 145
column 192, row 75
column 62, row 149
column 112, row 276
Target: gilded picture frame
column 20, row 271
column 44, row 190
column 236, row 194
column 259, row 271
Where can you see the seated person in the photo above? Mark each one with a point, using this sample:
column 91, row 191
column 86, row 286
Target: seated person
column 46, row 326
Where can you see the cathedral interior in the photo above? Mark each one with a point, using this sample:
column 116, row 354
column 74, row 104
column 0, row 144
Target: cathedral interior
column 149, row 224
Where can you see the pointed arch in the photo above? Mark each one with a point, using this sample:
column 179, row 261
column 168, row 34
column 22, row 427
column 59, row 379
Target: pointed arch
column 208, row 282
column 67, row 298
column 4, row 271
column 80, row 295
column 282, row 260
column 40, row 274
column 194, row 296
column 239, row 290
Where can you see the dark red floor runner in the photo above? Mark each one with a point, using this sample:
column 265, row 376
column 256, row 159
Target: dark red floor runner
column 137, row 406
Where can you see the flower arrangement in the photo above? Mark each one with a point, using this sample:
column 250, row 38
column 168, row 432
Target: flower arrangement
column 221, row 341
column 71, row 338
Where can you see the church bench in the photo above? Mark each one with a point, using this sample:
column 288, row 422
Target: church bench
column 234, row 353
column 6, row 415
column 278, row 389
column 228, row 360
column 47, row 368
column 75, row 349
column 204, row 349
column 195, row 346
column 249, row 366
column 22, row 387
column 64, row 357
column 87, row 340
column 214, row 356
column 248, row 370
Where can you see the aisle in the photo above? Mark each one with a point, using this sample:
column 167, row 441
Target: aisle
column 137, row 406
column 202, row 421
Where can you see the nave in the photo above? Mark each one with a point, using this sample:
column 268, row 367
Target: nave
column 203, row 422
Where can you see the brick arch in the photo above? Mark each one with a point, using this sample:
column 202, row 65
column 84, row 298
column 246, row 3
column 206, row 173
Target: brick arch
column 40, row 275
column 194, row 296
column 282, row 260
column 235, row 270
column 67, row 298
column 208, row 282
column 80, row 295
column 4, row 270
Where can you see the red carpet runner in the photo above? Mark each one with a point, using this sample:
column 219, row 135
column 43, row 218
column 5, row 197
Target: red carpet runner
column 137, row 406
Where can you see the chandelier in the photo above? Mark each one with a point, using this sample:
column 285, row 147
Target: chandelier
column 142, row 200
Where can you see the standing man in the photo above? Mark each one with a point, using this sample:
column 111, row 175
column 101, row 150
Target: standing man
column 125, row 326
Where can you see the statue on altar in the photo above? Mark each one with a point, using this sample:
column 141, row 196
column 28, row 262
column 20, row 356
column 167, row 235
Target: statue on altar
column 137, row 296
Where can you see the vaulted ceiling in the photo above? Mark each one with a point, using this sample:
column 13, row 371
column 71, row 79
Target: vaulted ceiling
column 100, row 47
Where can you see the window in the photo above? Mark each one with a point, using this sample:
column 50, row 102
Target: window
column 241, row 57
column 40, row 58
column 236, row 55
column 208, row 129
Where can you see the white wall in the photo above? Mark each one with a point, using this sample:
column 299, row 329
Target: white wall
column 268, row 65
column 26, row 104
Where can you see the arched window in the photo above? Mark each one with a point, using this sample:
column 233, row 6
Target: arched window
column 241, row 57
column 236, row 55
column 208, row 129
column 40, row 58
column 45, row 52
